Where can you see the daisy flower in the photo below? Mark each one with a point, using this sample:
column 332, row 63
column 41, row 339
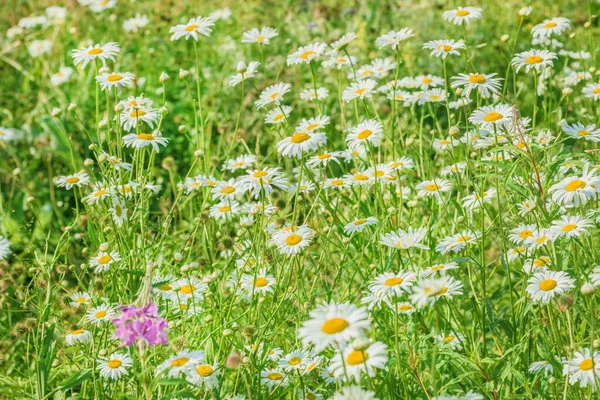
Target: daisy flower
column 203, row 375
column 433, row 188
column 100, row 314
column 228, row 189
column 544, row 286
column 262, row 35
column 130, row 118
column 244, row 72
column 272, row 95
column 294, row 361
column 576, row 190
column 551, row 27
column 103, row 260
column 342, row 43
column 141, row 140
column 488, row 116
column 273, row 378
column 519, row 234
column 260, row 283
column 359, row 90
column 105, row 52
column 426, row 81
column 312, row 95
column 476, row 200
column 118, row 212
column 114, row 366
column 323, row 159
column 278, row 115
column 438, row 269
column 394, row 38
column 115, row 80
column 405, row 239
column 240, row 162
column 583, row 368
column 78, row 179
column 181, row 363
column 189, row 288
column 306, row 54
column 541, row 366
column 358, row 225
column 462, row 15
column 264, row 180
column 442, row 48
column 62, row 76
column 533, row 59
column 339, row 61
column 368, row 131
column 451, row 339
column 428, row 291
column 580, row 131
column 393, row 284
column 456, row 243
column 4, row 248
column 292, row 240
column 592, row 91
column 570, row 226
column 194, row 27
column 78, row 336
column 354, row 361
column 135, row 23
column 300, row 143
column 225, row 210
column 79, row 299
column 486, row 84
column 332, row 323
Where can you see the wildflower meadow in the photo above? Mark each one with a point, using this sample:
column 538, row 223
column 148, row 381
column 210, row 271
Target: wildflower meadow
column 311, row 199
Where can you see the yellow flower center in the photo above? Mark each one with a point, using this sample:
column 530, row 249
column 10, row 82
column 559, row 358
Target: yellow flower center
column 114, row 78
column 586, row 365
column 278, row 117
column 260, row 282
column 432, row 187
column 100, row 193
column 260, row 38
column 324, row 156
column 311, row 127
column 114, row 364
column 274, row 95
column 191, row 28
column 225, row 209
column 393, row 281
column 137, row 113
column 274, row 376
column 583, row 132
column 361, row 91
column 77, row 332
column 597, row 90
column 547, row 284
column 550, row 25
column 334, row 325
column 525, row 234
column 145, row 136
column 187, row 289
column 337, row 182
column 462, row 13
column 95, row 51
column 360, row 221
column 448, row 339
column 307, row 54
column 179, row 362
column 534, row 60
column 260, row 174
column 492, row 117
column 295, row 361
column 427, row 80
column 105, row 259
column 72, row 180
column 365, row 134
column 568, row 227
column 405, row 307
column 227, row 190
column 300, row 137
column 575, row 185
column 204, row 370
column 437, row 267
column 293, row 239
column 80, row 300
column 477, row 78
column 100, row 314
column 444, row 47
column 444, row 142
column 166, row 287
column 463, row 239
column 357, row 357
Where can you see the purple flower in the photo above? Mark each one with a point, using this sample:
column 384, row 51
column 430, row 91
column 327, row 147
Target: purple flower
column 140, row 323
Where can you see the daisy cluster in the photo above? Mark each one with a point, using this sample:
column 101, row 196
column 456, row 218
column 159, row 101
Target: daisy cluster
column 215, row 208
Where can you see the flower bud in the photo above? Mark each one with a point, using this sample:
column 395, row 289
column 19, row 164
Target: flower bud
column 588, row 289
column 72, row 107
column 119, row 108
column 182, row 128
column 104, row 247
column 183, row 73
column 103, row 70
column 56, row 112
column 163, row 110
column 198, row 153
column 164, row 77
column 102, row 157
column 227, row 332
column 88, row 162
column 504, row 38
